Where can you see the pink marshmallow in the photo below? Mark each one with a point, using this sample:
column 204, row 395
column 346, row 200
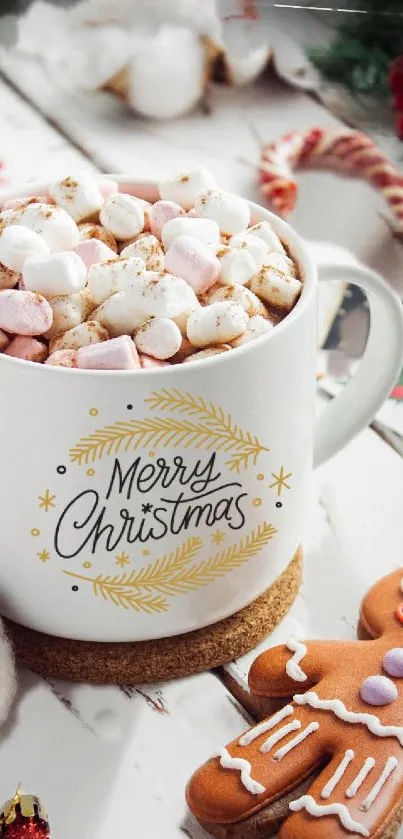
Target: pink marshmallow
column 24, row 313
column 192, row 213
column 92, row 251
column 20, row 203
column 115, row 354
column 148, row 363
column 161, row 212
column 29, row 349
column 107, row 187
column 62, row 358
column 190, row 259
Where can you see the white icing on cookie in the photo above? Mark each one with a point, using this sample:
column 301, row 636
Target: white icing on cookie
column 368, row 765
column 390, row 767
column 292, row 667
column 337, row 707
column 264, row 726
column 244, row 767
column 306, row 802
column 313, row 726
column 279, row 735
column 334, row 780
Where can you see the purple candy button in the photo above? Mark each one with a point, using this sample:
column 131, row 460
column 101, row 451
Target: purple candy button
column 378, row 690
column 393, row 662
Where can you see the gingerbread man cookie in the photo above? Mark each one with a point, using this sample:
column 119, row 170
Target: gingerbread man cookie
column 329, row 763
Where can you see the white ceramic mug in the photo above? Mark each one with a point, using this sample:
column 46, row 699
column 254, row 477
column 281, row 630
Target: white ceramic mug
column 147, row 504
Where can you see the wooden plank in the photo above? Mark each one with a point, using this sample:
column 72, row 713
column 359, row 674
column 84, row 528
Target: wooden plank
column 104, row 761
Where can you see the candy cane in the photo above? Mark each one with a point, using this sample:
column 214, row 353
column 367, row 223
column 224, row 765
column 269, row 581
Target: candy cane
column 345, row 149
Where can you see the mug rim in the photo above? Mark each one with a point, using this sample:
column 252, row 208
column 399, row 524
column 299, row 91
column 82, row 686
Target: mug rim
column 286, row 232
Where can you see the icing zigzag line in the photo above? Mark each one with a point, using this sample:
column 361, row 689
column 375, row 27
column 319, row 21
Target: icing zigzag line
column 337, row 707
column 293, row 670
column 228, row 762
column 306, row 802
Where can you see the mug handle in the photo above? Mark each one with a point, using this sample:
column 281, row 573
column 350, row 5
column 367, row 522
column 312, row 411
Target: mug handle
column 360, row 399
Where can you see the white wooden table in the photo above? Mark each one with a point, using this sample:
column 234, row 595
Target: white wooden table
column 112, row 762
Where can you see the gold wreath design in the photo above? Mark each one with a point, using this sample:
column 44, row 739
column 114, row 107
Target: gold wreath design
column 207, row 427
column 143, row 590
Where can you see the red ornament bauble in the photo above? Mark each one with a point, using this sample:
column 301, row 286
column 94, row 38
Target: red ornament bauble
column 23, row 818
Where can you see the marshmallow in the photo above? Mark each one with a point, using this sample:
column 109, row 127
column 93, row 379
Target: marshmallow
column 17, row 244
column 263, row 230
column 184, row 188
column 208, row 353
column 80, row 197
column 115, row 354
column 190, row 259
column 231, row 213
column 96, row 231
column 20, row 203
column 160, row 338
column 161, row 296
column 218, row 323
column 282, row 263
column 107, row 186
column 275, row 287
column 107, row 278
column 4, row 341
column 206, row 230
column 257, row 326
column 147, row 248
column 62, row 358
column 146, row 206
column 55, row 275
column 24, row 313
column 237, row 266
column 69, row 312
column 241, row 295
column 92, row 251
column 123, row 216
column 119, row 315
column 151, row 363
column 82, row 335
column 28, row 349
column 8, row 278
column 54, row 225
column 254, row 245
column 161, row 212
column 192, row 214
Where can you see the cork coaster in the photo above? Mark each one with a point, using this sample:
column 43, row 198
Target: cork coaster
column 162, row 658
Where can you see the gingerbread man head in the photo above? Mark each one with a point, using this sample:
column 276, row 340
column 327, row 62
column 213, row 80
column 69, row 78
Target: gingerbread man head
column 329, row 763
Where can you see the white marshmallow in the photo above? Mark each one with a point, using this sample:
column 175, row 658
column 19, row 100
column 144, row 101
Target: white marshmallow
column 123, row 216
column 263, row 230
column 276, row 288
column 254, row 245
column 184, row 188
column 208, row 353
column 282, row 263
column 241, row 295
column 148, row 248
column 80, row 197
column 107, row 278
column 58, row 230
column 160, row 338
column 69, row 312
column 257, row 326
column 217, row 323
column 231, row 212
column 206, row 230
column 161, row 296
column 17, row 244
column 55, row 275
column 82, row 335
column 237, row 266
column 119, row 314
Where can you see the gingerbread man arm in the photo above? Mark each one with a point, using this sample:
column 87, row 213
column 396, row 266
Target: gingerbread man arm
column 293, row 667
